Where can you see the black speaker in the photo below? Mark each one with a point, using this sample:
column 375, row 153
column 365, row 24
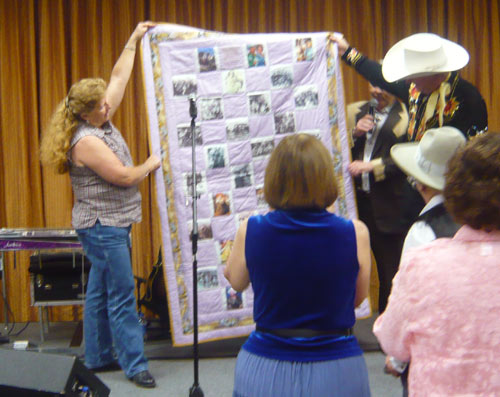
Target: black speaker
column 26, row 373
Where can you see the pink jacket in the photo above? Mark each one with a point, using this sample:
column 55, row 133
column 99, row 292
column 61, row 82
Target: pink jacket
column 443, row 315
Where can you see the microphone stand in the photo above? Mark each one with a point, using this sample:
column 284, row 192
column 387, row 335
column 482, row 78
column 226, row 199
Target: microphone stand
column 195, row 390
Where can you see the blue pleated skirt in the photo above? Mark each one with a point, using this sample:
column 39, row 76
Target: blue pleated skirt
column 257, row 376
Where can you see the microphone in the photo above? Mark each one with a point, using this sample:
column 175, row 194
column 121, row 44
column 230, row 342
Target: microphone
column 193, row 111
column 372, row 105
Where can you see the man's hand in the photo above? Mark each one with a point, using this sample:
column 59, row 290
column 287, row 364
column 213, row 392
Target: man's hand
column 341, row 42
column 364, row 125
column 357, row 167
column 389, row 369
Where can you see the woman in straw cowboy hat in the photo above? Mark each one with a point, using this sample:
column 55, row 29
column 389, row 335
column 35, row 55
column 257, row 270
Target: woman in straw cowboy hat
column 422, row 70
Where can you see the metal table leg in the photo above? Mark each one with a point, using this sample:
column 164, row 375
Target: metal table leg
column 4, row 290
column 40, row 322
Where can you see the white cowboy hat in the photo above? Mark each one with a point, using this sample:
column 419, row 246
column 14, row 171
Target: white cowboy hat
column 423, row 54
column 426, row 160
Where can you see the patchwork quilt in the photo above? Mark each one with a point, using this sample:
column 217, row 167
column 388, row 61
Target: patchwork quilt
column 250, row 90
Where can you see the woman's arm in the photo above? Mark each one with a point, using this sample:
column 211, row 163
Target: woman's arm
column 236, row 270
column 364, row 259
column 123, row 68
column 93, row 153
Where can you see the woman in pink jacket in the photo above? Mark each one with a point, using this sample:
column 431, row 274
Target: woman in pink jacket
column 443, row 314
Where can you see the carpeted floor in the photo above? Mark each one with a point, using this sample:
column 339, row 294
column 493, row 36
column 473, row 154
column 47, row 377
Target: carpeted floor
column 173, row 367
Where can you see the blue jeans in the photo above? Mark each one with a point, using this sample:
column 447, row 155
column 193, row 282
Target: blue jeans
column 111, row 323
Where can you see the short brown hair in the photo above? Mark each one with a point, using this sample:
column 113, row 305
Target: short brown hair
column 300, row 175
column 472, row 189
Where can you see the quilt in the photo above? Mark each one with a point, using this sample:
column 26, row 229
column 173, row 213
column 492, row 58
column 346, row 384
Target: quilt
column 250, row 90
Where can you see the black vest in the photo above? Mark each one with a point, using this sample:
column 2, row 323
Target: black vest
column 440, row 221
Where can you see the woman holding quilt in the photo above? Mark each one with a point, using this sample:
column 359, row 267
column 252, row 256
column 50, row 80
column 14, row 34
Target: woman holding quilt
column 81, row 140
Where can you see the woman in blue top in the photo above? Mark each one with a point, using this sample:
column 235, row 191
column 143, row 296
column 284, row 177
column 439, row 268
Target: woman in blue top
column 309, row 269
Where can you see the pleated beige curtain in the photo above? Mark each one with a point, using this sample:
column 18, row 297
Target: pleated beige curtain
column 46, row 45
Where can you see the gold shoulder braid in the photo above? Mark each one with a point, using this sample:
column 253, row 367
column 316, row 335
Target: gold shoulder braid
column 352, row 56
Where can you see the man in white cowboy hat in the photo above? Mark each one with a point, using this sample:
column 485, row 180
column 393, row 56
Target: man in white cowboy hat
column 421, row 70
column 425, row 162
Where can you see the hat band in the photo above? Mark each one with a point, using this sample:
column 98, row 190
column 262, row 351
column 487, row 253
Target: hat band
column 427, row 166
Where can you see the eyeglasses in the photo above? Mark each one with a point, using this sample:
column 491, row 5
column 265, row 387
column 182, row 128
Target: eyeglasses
column 412, row 181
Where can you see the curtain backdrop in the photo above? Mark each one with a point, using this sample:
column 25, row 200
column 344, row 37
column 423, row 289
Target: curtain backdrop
column 46, row 45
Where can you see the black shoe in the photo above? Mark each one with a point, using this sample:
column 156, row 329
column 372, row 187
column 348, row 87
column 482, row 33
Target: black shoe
column 144, row 379
column 114, row 366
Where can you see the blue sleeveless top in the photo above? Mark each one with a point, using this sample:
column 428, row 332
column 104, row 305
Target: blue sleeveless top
column 303, row 267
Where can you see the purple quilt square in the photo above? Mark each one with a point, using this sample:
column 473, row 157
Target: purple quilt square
column 181, row 61
column 239, row 152
column 282, row 100
column 259, row 177
column 218, row 179
column 258, row 79
column 280, row 52
column 231, row 57
column 207, row 254
column 235, row 106
column 310, row 120
column 261, row 126
column 223, row 227
column 180, row 110
column 213, row 132
column 185, row 158
column 203, row 207
column 209, row 83
column 259, row 169
column 210, row 301
column 244, row 199
column 304, row 72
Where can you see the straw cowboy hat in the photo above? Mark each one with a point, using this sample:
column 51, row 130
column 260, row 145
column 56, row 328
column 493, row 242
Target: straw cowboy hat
column 426, row 160
column 423, row 54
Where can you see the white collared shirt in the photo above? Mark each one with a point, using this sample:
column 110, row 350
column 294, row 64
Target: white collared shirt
column 380, row 118
column 420, row 232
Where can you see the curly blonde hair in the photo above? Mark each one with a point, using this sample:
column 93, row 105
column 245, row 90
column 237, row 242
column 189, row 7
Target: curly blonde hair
column 82, row 97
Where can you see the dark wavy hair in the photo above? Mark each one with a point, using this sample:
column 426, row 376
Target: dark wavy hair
column 300, row 175
column 472, row 190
